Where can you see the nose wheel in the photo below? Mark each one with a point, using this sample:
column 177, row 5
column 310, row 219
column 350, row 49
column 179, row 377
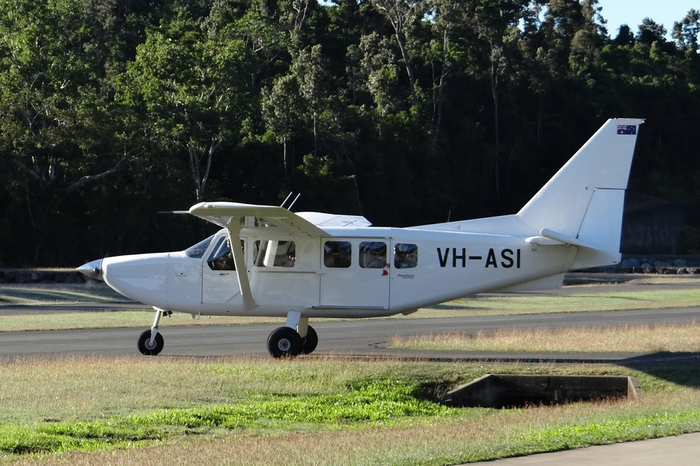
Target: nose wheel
column 149, row 345
column 151, row 341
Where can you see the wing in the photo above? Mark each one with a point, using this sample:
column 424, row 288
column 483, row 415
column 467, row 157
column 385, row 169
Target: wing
column 234, row 215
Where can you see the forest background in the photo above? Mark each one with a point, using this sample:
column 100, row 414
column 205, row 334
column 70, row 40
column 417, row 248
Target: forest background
column 404, row 111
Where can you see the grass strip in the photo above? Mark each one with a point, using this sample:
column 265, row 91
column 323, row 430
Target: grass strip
column 579, row 302
column 42, row 294
column 114, row 319
column 642, row 427
column 625, row 338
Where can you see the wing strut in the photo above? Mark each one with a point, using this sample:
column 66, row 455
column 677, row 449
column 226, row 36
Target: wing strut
column 234, row 230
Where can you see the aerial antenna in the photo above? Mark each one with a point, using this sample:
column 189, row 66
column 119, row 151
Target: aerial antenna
column 286, row 198
column 449, row 214
column 294, row 201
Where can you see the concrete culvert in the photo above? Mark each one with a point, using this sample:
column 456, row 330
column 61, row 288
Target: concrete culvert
column 512, row 391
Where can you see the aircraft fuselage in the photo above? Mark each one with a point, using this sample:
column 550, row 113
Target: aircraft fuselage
column 371, row 272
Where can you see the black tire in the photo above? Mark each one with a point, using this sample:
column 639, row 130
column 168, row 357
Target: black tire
column 150, row 350
column 309, row 343
column 284, row 342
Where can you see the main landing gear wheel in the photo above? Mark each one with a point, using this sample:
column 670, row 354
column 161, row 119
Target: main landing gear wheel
column 150, row 348
column 309, row 343
column 284, row 341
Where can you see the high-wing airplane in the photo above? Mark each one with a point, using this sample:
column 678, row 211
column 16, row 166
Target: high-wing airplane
column 269, row 261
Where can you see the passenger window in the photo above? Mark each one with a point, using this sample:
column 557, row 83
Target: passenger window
column 372, row 255
column 337, row 254
column 274, row 253
column 405, row 256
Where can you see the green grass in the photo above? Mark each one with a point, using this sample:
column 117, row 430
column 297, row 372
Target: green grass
column 378, row 402
column 258, row 411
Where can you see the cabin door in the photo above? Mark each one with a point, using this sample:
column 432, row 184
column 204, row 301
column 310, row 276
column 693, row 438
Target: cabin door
column 355, row 273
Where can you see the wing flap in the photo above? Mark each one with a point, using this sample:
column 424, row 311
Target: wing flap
column 334, row 220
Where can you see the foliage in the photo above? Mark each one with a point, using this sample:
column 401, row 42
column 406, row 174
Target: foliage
column 408, row 110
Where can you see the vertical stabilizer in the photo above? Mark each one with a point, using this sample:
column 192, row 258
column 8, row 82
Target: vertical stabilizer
column 584, row 199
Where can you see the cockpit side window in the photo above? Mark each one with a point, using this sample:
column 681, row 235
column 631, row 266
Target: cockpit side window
column 274, row 253
column 221, row 257
column 197, row 251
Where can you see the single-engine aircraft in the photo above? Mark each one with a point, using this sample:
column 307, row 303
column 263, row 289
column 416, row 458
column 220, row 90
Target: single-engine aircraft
column 270, row 261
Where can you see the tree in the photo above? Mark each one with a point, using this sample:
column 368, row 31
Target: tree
column 686, row 32
column 310, row 69
column 191, row 88
column 650, row 32
column 401, row 13
column 282, row 110
column 51, row 110
column 465, row 105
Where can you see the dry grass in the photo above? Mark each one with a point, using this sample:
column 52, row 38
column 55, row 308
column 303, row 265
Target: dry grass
column 627, row 338
column 115, row 319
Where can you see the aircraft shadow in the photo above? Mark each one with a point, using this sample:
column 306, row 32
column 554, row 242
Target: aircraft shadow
column 682, row 368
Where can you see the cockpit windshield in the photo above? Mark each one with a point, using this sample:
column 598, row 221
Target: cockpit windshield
column 197, row 251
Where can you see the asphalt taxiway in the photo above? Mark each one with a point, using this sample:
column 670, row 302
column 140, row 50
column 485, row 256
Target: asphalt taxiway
column 362, row 338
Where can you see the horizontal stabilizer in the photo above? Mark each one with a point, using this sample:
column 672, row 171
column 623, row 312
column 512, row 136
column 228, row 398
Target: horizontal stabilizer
column 549, row 237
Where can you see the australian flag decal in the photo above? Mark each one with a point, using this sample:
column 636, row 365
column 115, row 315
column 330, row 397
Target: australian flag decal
column 626, row 129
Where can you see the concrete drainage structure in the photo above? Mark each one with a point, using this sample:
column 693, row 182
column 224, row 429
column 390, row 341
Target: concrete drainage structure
column 510, row 391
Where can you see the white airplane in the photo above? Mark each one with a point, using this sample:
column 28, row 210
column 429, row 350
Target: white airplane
column 310, row 265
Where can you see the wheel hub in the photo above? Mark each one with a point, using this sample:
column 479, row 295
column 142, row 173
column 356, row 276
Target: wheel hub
column 284, row 344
